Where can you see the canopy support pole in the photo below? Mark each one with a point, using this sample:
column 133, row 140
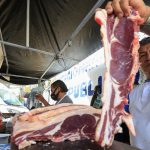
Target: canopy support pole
column 26, row 48
column 77, row 30
column 4, row 52
column 82, row 24
column 20, row 76
column 67, row 44
column 51, row 64
column 28, row 24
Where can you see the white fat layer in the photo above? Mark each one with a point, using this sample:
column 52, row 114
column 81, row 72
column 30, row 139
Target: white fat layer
column 52, row 132
column 25, row 144
column 24, row 126
column 71, row 137
column 59, row 119
column 48, row 111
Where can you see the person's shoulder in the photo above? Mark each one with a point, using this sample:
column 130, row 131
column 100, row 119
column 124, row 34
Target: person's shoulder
column 142, row 86
column 138, row 87
column 67, row 99
column 137, row 91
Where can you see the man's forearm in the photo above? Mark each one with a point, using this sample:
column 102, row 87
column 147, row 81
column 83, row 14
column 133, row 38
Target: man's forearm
column 40, row 98
column 45, row 102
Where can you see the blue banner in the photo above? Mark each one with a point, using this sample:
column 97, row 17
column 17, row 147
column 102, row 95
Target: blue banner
column 4, row 146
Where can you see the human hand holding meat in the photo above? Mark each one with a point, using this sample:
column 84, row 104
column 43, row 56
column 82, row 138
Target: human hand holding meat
column 122, row 8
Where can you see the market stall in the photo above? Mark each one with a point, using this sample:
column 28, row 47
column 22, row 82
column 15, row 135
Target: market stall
column 40, row 39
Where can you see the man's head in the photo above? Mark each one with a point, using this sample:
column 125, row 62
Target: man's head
column 144, row 56
column 58, row 90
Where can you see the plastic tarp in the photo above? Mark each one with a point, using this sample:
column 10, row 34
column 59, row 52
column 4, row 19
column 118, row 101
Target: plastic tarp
column 9, row 98
column 51, row 24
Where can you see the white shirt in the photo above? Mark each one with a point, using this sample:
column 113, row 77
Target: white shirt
column 139, row 108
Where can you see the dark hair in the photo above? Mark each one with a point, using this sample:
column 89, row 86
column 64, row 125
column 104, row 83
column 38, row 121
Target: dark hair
column 61, row 84
column 145, row 41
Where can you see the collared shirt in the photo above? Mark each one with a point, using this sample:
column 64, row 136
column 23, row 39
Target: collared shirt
column 139, row 108
column 61, row 99
column 64, row 99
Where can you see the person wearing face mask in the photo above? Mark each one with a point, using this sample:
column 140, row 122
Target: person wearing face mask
column 58, row 93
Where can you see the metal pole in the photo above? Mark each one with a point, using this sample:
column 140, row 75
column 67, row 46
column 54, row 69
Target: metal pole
column 26, row 48
column 52, row 62
column 20, row 76
column 28, row 23
column 77, row 30
column 4, row 51
column 74, row 59
column 82, row 24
